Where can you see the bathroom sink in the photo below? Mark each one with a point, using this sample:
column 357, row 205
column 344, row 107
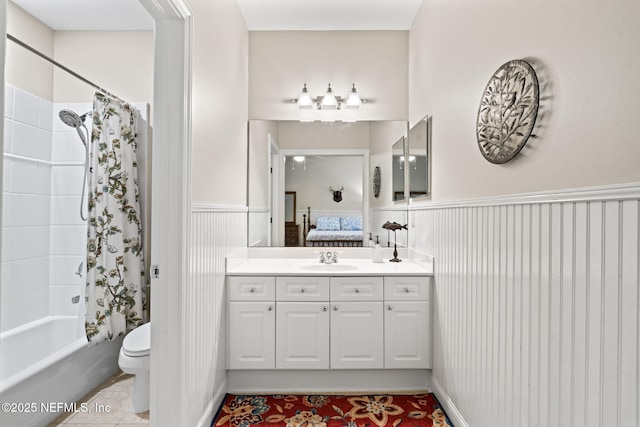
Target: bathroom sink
column 329, row 267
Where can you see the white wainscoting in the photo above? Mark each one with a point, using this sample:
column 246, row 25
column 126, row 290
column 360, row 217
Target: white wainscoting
column 537, row 307
column 259, row 226
column 215, row 233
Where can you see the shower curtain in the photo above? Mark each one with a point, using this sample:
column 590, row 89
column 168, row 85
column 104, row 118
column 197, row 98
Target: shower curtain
column 115, row 272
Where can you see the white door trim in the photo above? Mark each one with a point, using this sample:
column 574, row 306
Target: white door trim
column 170, row 206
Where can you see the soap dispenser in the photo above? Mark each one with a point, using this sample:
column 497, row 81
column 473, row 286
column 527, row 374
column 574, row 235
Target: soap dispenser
column 377, row 253
column 370, row 243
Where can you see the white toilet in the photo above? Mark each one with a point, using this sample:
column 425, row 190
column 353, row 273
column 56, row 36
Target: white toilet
column 134, row 359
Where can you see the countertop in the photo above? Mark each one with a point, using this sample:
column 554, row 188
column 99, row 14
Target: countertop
column 350, row 263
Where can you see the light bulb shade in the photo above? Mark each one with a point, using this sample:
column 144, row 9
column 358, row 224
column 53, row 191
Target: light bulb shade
column 329, row 101
column 304, row 100
column 353, row 99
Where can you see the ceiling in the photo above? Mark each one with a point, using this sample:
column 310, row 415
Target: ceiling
column 97, row 15
column 121, row 15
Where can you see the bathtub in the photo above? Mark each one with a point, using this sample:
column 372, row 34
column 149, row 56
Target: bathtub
column 44, row 362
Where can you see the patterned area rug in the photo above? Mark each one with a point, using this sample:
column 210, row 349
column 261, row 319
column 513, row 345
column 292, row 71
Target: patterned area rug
column 422, row 410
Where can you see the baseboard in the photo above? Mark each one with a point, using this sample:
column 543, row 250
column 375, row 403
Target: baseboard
column 210, row 411
column 449, row 407
column 325, row 381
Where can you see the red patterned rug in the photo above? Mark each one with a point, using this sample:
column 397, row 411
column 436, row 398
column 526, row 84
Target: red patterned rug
column 421, row 410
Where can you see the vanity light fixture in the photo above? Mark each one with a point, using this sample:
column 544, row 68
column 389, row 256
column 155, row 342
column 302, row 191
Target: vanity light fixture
column 305, row 101
column 353, row 99
column 329, row 101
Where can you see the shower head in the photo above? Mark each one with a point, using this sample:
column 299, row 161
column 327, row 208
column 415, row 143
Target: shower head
column 72, row 119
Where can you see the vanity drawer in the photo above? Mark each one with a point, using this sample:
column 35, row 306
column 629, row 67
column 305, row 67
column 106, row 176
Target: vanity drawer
column 251, row 288
column 407, row 288
column 356, row 289
column 302, row 288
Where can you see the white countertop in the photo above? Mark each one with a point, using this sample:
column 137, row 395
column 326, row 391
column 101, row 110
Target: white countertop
column 306, row 263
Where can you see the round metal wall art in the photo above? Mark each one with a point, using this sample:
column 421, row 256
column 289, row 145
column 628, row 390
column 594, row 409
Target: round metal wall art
column 508, row 111
column 376, row 181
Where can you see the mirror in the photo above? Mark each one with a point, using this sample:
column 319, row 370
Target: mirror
column 419, row 163
column 285, row 156
column 290, row 208
column 398, row 167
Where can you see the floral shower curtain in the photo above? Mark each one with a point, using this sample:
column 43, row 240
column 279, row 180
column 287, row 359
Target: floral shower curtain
column 115, row 268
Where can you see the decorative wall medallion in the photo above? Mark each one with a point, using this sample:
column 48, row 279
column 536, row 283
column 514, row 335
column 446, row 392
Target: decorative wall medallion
column 508, row 111
column 376, row 181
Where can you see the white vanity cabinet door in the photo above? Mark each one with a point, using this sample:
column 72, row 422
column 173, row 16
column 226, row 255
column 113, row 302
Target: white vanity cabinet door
column 356, row 288
column 407, row 331
column 356, row 335
column 302, row 335
column 252, row 335
column 309, row 288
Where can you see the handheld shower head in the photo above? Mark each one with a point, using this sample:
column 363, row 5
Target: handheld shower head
column 70, row 118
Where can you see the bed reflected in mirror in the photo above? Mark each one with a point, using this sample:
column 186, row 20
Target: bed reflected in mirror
column 329, row 193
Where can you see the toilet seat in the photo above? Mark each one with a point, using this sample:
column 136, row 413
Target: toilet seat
column 137, row 343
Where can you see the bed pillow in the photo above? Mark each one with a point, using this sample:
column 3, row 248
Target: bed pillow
column 353, row 223
column 328, row 223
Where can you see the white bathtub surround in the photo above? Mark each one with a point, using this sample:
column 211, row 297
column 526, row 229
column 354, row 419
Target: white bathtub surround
column 43, row 257
column 63, row 370
column 114, row 300
column 536, row 306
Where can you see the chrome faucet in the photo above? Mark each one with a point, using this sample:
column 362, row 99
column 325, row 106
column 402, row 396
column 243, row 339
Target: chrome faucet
column 328, row 257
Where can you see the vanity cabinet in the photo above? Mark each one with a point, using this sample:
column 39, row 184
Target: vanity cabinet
column 302, row 335
column 319, row 322
column 252, row 322
column 356, row 323
column 407, row 322
column 302, row 322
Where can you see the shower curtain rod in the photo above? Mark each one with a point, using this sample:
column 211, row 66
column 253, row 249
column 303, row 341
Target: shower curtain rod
column 59, row 65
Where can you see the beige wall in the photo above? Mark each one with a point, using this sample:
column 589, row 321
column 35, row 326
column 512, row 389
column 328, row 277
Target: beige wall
column 24, row 69
column 586, row 55
column 323, row 135
column 120, row 62
column 220, row 103
column 312, row 178
column 282, row 61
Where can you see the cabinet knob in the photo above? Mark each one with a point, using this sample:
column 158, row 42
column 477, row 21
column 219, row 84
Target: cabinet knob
column 252, row 290
column 302, row 290
column 335, row 308
column 269, row 308
column 389, row 308
column 324, row 308
column 406, row 290
column 357, row 291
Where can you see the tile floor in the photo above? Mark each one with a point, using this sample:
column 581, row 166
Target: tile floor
column 108, row 406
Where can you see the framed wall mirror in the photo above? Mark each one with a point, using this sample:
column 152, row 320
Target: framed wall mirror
column 419, row 161
column 398, row 167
